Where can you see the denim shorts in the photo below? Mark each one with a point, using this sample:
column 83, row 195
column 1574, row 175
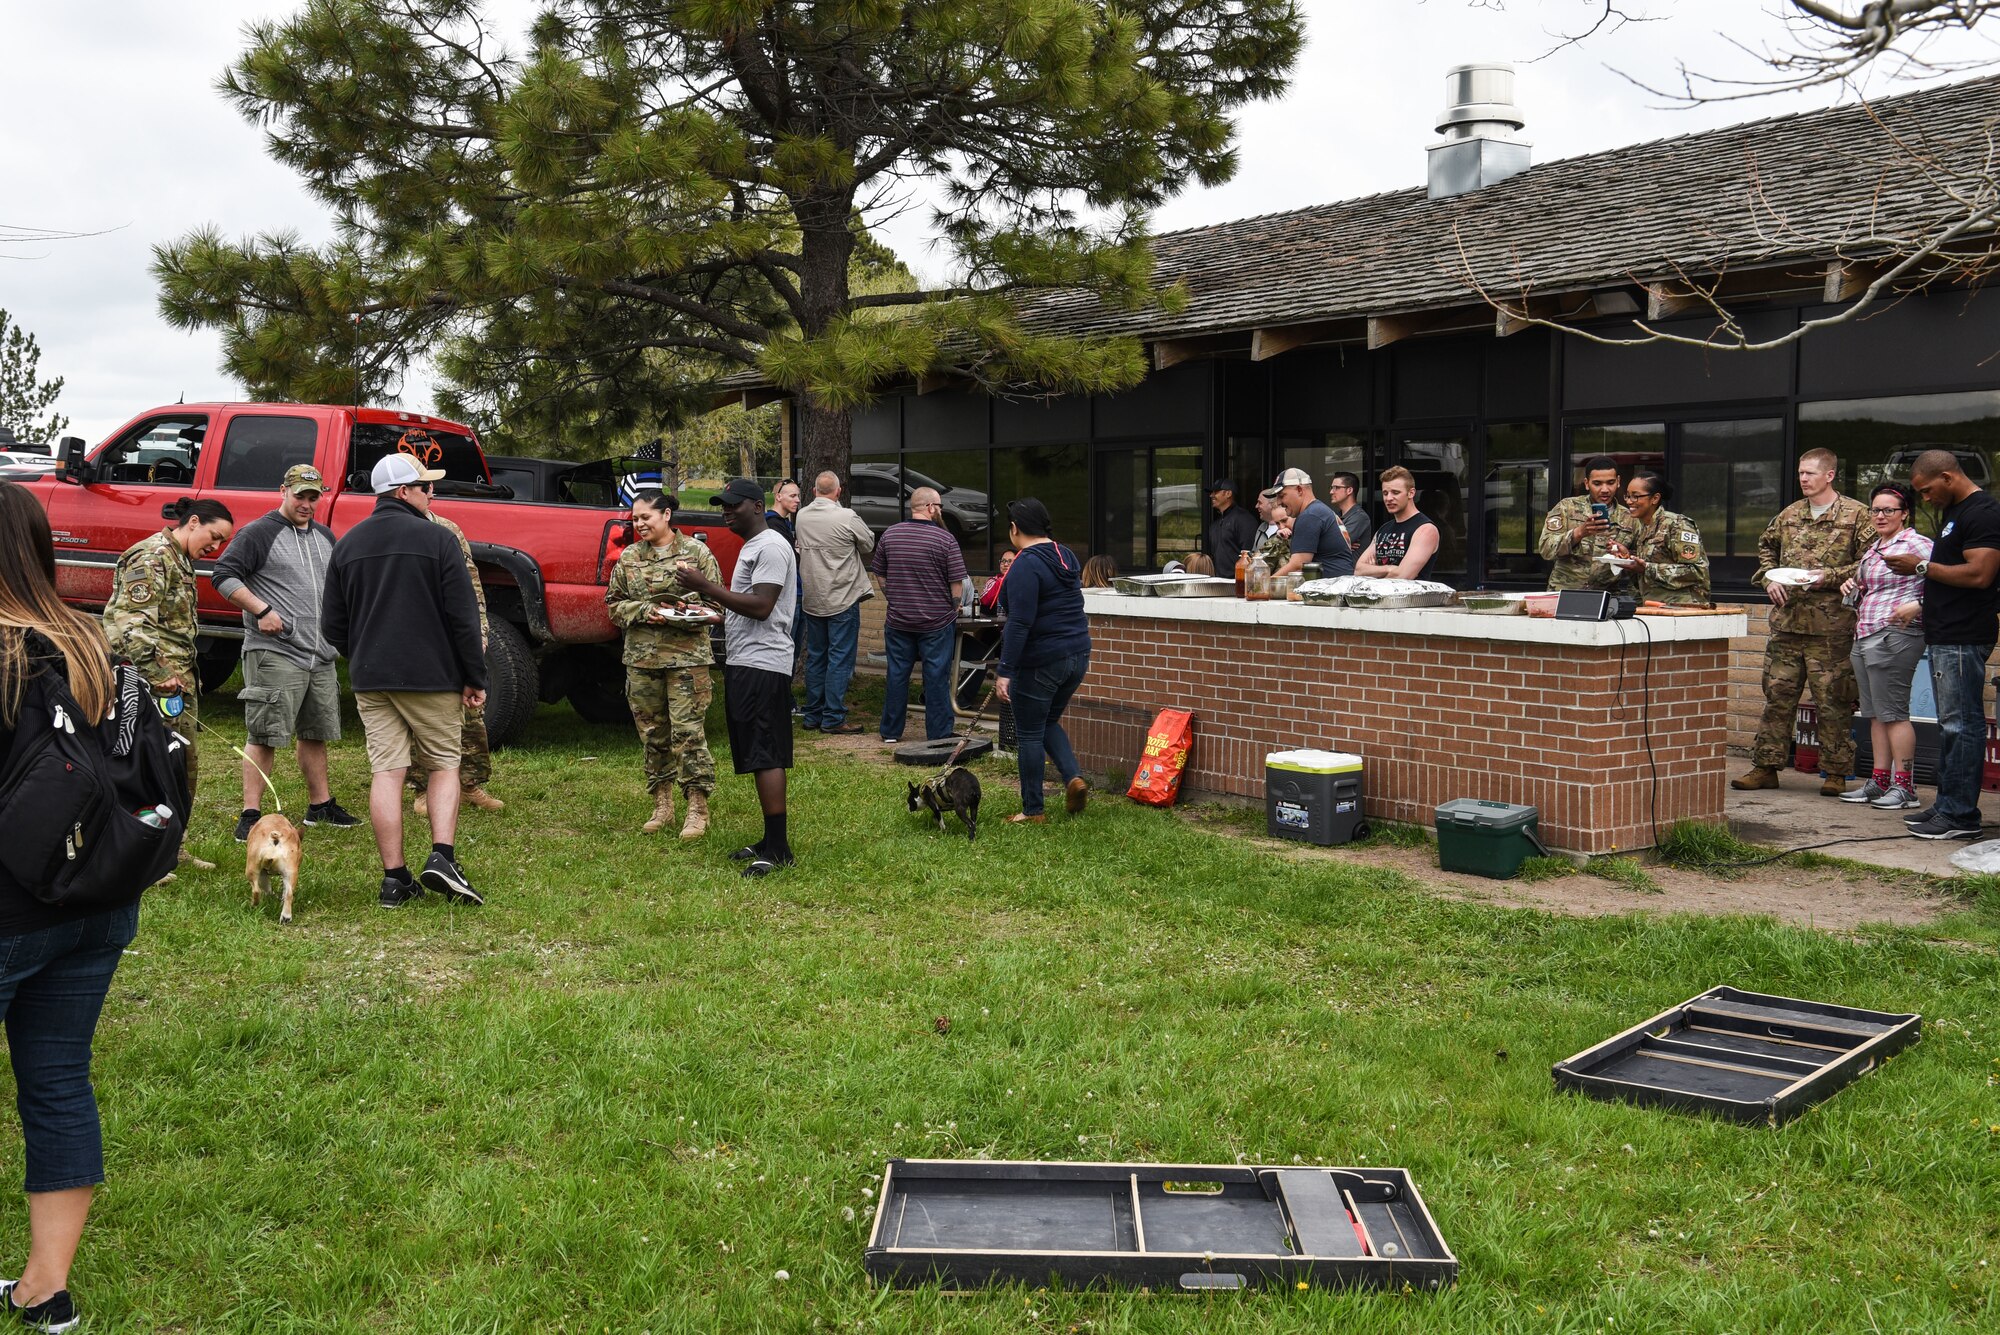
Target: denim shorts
column 52, row 987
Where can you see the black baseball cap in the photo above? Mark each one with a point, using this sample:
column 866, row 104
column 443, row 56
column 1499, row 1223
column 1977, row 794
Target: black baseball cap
column 1222, row 484
column 738, row 490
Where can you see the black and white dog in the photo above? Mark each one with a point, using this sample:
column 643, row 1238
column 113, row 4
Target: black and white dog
column 955, row 789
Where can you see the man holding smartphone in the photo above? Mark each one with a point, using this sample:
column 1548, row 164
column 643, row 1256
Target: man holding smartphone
column 1582, row 528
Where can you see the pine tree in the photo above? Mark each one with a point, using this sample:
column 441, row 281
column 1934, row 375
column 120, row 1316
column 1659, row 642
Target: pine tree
column 24, row 399
column 655, row 193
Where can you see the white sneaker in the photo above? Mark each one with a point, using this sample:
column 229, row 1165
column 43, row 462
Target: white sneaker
column 1868, row 792
column 1899, row 798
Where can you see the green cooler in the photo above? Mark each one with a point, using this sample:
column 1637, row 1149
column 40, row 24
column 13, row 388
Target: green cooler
column 1487, row 838
column 1314, row 796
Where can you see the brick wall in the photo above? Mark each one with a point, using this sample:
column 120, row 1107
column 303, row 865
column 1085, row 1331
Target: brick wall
column 1433, row 717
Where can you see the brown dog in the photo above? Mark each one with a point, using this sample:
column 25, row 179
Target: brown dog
column 273, row 846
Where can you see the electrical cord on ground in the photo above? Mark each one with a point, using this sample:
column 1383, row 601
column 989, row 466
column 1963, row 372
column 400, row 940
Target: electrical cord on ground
column 1645, row 714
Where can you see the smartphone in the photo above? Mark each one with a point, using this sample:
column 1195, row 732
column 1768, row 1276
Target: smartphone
column 1600, row 511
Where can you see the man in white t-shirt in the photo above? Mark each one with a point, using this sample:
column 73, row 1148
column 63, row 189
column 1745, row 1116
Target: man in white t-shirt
column 758, row 609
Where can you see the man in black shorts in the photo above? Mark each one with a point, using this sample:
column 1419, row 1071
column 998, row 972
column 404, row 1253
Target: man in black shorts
column 758, row 609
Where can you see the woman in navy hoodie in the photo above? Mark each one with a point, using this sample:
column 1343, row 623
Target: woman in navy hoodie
column 1044, row 653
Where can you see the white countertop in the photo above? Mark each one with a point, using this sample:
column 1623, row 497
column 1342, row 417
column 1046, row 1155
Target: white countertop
column 1434, row 621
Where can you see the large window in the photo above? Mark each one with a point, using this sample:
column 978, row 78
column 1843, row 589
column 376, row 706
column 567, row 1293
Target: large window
column 1056, row 475
column 959, row 477
column 1732, row 480
column 1877, row 440
column 1634, row 447
column 1441, row 464
column 256, row 450
column 162, row 450
column 1326, row 454
column 1517, row 498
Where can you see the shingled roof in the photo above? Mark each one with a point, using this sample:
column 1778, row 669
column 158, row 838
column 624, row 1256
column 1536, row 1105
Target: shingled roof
column 1842, row 182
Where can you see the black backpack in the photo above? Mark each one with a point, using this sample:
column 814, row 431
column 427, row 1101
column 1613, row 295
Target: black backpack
column 93, row 813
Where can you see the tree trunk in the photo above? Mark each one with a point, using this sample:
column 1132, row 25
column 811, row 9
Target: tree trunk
column 825, row 435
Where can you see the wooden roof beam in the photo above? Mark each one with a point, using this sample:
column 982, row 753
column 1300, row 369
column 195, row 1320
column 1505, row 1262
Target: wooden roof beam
column 1173, row 351
column 757, row 398
column 1268, row 343
column 1848, row 279
column 1562, row 308
column 1386, row 329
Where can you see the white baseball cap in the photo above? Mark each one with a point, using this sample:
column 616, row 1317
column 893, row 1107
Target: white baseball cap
column 400, row 470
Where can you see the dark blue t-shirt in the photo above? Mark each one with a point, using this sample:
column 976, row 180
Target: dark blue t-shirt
column 1318, row 532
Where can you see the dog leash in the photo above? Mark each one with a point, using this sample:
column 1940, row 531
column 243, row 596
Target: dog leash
column 966, row 740
column 277, row 803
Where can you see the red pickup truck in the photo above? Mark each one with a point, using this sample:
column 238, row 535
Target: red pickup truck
column 544, row 566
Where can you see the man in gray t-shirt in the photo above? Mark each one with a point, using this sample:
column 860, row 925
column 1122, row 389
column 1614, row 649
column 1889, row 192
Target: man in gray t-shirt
column 758, row 608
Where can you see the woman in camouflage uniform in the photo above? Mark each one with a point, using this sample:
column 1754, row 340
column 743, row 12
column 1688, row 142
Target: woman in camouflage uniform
column 1669, row 563
column 666, row 662
column 150, row 619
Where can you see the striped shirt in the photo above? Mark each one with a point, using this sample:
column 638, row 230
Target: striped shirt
column 1882, row 589
column 918, row 561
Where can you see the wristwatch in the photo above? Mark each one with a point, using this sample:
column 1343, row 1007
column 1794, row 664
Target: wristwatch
column 1923, row 569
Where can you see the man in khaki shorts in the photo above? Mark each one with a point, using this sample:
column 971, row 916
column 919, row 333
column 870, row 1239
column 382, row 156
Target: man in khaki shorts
column 275, row 570
column 401, row 607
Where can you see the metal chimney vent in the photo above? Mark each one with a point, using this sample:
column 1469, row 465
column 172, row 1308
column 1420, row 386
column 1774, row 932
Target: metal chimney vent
column 1479, row 124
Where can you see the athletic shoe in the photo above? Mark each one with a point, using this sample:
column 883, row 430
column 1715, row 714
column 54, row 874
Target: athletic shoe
column 1937, row 828
column 54, row 1313
column 331, row 813
column 245, row 823
column 748, row 853
column 763, row 866
column 397, row 893
column 1867, row 792
column 441, row 874
column 1897, row 799
column 1921, row 817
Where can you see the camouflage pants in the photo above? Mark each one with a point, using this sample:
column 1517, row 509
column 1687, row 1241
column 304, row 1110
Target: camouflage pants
column 1792, row 664
column 670, row 708
column 475, row 757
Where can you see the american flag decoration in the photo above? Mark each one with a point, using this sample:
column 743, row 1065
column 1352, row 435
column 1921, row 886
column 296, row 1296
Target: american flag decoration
column 642, row 478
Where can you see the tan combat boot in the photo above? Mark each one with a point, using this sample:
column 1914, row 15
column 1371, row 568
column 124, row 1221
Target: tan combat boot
column 663, row 810
column 697, row 821
column 1835, row 785
column 1758, row 777
column 482, row 799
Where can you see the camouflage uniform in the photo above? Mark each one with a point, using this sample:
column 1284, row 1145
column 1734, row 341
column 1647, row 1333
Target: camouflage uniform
column 1575, row 563
column 1277, row 550
column 1813, row 633
column 666, row 666
column 151, row 621
column 475, row 760
column 1676, row 570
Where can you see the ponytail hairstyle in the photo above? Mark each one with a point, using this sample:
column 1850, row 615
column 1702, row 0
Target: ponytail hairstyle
column 28, row 602
column 1030, row 516
column 1655, row 486
column 655, row 499
column 204, row 510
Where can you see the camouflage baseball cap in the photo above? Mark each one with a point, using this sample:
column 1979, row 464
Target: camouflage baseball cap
column 302, row 478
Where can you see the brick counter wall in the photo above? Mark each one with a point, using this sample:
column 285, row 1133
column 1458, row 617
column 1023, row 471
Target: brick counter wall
column 1433, row 717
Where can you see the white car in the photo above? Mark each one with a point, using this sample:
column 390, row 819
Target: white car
column 22, row 459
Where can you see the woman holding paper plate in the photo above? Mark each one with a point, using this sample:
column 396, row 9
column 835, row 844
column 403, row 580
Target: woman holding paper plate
column 1666, row 560
column 1888, row 642
column 667, row 658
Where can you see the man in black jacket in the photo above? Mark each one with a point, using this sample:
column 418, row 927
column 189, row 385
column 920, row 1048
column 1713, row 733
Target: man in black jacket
column 1234, row 530
column 400, row 606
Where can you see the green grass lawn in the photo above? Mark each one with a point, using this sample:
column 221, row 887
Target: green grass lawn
column 633, row 1088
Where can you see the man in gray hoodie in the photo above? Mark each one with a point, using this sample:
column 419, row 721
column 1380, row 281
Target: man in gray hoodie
column 275, row 570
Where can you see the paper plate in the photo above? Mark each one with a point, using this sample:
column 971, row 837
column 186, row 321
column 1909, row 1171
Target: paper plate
column 669, row 614
column 1793, row 575
column 1622, row 562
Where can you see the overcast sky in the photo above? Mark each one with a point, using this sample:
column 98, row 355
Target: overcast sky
column 113, row 125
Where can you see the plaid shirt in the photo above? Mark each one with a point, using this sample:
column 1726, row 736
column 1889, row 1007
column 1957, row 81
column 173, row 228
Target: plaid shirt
column 1882, row 589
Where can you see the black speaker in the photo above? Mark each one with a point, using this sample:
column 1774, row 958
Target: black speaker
column 1594, row 605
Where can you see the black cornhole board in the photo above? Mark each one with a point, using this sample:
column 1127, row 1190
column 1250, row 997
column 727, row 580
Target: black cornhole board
column 963, row 1223
column 1742, row 1055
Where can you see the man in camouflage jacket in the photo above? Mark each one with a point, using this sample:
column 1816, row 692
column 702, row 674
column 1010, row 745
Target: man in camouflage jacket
column 1812, row 630
column 667, row 680
column 475, row 762
column 150, row 620
column 1573, row 537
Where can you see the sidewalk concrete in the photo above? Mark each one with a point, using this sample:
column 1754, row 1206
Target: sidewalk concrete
column 1796, row 814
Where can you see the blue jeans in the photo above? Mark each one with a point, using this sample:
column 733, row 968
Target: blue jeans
column 1958, row 678
column 830, row 645
column 934, row 647
column 52, row 986
column 1040, row 695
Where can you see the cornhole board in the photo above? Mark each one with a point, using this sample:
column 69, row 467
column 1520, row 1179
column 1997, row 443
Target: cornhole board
column 1742, row 1055
column 962, row 1223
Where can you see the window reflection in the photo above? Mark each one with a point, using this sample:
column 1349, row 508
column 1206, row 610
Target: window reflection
column 960, row 479
column 1058, row 476
column 1733, row 477
column 1517, row 498
column 1439, row 463
column 1877, row 440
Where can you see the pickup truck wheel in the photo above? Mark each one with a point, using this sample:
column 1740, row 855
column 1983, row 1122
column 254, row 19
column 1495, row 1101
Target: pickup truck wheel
column 215, row 663
column 512, row 692
column 598, row 695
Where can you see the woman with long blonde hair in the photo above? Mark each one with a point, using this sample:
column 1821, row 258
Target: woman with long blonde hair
column 56, row 962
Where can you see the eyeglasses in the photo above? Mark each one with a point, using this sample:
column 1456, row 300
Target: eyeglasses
column 1885, row 509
